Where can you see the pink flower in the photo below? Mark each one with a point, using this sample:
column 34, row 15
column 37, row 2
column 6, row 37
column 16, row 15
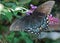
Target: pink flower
column 29, row 12
column 31, row 9
column 53, row 20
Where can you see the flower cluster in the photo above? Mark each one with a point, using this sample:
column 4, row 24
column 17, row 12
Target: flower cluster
column 31, row 9
column 53, row 20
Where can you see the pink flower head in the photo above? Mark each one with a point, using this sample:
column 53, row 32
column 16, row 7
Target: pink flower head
column 29, row 12
column 53, row 20
column 31, row 9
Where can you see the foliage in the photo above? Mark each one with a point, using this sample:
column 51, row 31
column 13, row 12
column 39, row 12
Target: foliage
column 51, row 41
column 16, row 37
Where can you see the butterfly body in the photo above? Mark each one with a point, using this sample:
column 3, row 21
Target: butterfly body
column 31, row 23
column 34, row 23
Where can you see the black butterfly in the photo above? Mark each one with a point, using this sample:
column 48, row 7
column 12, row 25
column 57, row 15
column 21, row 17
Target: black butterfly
column 35, row 22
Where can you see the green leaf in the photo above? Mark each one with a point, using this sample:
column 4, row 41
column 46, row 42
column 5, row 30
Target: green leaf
column 10, row 4
column 8, row 14
column 16, row 40
column 3, row 28
column 22, row 2
column 1, row 36
column 35, row 2
column 56, row 41
column 26, row 37
column 10, row 37
column 28, row 40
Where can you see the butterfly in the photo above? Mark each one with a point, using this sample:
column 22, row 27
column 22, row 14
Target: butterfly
column 36, row 22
